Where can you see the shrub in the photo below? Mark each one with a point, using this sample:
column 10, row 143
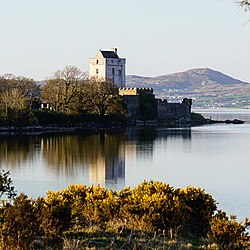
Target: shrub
column 100, row 207
column 19, row 224
column 228, row 233
column 55, row 214
column 6, row 187
column 150, row 207
column 201, row 207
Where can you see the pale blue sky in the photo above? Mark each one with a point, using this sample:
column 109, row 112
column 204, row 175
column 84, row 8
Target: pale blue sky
column 156, row 36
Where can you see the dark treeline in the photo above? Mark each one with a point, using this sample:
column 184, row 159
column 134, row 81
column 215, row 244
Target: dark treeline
column 68, row 93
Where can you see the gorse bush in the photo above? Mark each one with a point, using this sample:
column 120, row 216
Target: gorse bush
column 150, row 207
column 228, row 233
column 200, row 208
column 19, row 223
column 55, row 214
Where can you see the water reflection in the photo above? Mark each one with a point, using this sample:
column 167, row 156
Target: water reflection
column 14, row 151
column 101, row 155
column 145, row 140
column 212, row 157
column 95, row 158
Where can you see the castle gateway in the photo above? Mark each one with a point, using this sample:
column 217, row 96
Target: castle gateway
column 109, row 67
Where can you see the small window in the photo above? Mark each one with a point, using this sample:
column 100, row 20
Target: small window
column 120, row 71
column 97, row 71
column 113, row 71
column 97, row 61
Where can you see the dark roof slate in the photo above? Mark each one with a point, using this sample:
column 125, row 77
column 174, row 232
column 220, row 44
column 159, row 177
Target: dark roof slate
column 109, row 54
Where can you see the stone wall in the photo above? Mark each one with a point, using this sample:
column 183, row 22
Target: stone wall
column 132, row 103
column 165, row 110
column 132, row 96
column 174, row 111
column 135, row 91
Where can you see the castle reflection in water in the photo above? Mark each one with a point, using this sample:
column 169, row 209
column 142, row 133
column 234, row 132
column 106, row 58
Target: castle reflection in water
column 99, row 157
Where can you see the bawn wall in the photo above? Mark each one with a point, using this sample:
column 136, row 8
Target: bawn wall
column 165, row 110
column 175, row 111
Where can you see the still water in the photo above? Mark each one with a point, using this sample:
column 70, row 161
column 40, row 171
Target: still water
column 214, row 157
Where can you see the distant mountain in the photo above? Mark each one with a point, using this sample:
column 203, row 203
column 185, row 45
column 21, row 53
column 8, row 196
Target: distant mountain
column 207, row 87
column 190, row 79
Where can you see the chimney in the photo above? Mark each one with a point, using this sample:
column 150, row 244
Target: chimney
column 115, row 50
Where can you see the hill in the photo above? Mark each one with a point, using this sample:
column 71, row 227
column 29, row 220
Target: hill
column 208, row 88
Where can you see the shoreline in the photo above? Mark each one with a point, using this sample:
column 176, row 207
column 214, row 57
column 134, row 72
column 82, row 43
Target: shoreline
column 95, row 126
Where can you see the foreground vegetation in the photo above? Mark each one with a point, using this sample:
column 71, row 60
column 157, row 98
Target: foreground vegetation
column 153, row 215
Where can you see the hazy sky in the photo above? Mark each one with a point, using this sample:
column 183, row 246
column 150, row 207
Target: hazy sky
column 156, row 36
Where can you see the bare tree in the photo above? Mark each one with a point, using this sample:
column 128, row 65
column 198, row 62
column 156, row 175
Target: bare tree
column 101, row 97
column 16, row 93
column 62, row 90
column 13, row 99
column 26, row 85
column 244, row 3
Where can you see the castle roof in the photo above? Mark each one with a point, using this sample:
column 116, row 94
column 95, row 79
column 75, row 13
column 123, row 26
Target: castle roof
column 109, row 54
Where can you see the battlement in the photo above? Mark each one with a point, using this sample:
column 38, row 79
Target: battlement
column 134, row 97
column 168, row 110
column 136, row 91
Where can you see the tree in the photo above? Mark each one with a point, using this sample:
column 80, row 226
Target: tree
column 17, row 94
column 244, row 3
column 26, row 86
column 13, row 99
column 6, row 185
column 101, row 97
column 61, row 92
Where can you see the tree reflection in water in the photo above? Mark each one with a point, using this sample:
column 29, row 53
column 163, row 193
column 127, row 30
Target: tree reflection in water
column 100, row 157
column 15, row 150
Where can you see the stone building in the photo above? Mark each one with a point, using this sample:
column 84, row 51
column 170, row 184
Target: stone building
column 132, row 97
column 139, row 101
column 108, row 66
column 174, row 111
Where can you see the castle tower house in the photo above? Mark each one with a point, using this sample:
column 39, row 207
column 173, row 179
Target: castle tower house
column 108, row 66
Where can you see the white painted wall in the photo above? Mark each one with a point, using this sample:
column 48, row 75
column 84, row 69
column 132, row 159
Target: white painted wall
column 112, row 69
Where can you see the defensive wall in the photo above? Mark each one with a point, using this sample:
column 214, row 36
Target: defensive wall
column 165, row 110
column 180, row 111
column 131, row 97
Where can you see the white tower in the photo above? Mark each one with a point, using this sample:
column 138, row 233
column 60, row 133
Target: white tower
column 108, row 66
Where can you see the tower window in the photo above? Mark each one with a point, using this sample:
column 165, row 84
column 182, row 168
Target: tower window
column 113, row 71
column 120, row 72
column 97, row 61
column 97, row 71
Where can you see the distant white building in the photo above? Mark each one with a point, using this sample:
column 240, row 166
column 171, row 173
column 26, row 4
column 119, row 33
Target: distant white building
column 108, row 66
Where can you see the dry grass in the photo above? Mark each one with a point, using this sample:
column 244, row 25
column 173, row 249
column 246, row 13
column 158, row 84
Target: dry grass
column 133, row 240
